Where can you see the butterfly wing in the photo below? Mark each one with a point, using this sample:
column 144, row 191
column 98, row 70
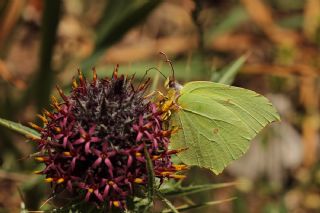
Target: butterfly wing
column 217, row 122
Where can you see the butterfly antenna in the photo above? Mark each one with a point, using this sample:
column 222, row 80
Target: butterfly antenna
column 170, row 63
column 146, row 73
column 154, row 68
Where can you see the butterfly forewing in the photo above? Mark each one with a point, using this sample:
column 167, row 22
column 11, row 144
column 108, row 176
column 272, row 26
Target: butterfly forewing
column 217, row 123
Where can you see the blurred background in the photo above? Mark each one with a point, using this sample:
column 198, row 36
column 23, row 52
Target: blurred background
column 43, row 42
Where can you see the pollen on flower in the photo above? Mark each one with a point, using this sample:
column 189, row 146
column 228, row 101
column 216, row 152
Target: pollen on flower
column 138, row 180
column 178, row 176
column 155, row 157
column 41, row 159
column 116, row 203
column 180, row 167
column 93, row 141
column 67, row 154
column 48, row 180
column 60, row 180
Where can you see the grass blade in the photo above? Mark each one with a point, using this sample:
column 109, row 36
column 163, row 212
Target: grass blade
column 183, row 191
column 185, row 207
column 228, row 74
column 45, row 77
column 19, row 128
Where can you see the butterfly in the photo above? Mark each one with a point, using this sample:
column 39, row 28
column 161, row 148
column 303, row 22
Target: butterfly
column 216, row 121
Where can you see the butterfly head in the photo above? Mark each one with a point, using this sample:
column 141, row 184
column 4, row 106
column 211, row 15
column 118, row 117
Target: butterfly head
column 171, row 83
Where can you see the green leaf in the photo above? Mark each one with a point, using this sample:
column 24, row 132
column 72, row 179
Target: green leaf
column 217, row 123
column 17, row 127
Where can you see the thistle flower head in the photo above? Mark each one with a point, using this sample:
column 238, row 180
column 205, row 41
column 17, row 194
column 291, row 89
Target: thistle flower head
column 93, row 142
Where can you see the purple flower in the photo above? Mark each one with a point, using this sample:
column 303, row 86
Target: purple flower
column 93, row 142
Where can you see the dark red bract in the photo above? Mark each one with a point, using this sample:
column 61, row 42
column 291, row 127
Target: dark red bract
column 93, row 142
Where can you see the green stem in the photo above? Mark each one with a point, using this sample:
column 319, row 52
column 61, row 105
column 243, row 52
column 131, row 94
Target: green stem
column 151, row 178
column 167, row 202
